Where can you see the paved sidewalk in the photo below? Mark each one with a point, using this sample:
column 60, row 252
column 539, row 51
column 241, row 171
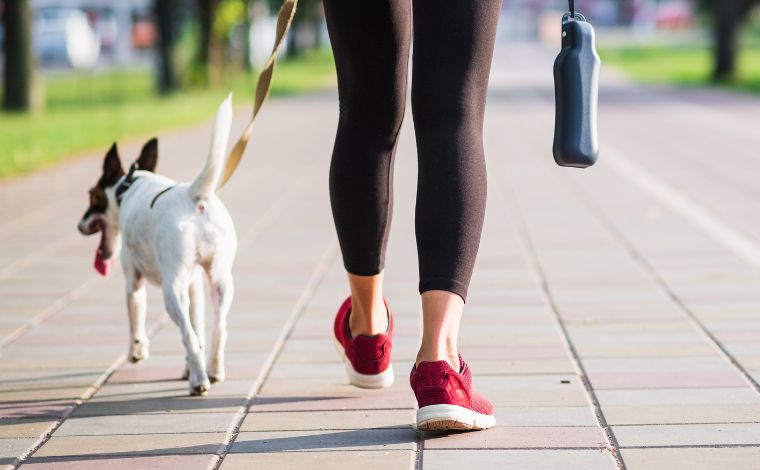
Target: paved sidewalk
column 614, row 318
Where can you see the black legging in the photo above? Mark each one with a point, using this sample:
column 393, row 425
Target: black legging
column 453, row 47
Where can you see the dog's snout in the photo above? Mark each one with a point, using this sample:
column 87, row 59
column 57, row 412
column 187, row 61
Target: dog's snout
column 87, row 227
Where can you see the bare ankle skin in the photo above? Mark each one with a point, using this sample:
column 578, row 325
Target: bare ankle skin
column 369, row 315
column 441, row 316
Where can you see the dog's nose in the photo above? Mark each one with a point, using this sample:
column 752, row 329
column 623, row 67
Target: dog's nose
column 83, row 229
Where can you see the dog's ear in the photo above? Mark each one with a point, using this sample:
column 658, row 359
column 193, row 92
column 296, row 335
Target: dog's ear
column 148, row 156
column 112, row 169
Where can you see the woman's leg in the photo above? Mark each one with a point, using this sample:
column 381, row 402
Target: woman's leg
column 370, row 41
column 453, row 48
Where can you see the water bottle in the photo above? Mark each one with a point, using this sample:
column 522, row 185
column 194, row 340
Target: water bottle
column 576, row 90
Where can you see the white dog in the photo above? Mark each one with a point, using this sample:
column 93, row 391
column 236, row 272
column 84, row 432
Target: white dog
column 173, row 233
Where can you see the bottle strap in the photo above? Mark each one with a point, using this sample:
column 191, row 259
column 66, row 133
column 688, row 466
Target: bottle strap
column 572, row 8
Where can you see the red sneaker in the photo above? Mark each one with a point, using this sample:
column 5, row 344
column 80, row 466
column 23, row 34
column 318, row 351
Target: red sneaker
column 367, row 358
column 446, row 399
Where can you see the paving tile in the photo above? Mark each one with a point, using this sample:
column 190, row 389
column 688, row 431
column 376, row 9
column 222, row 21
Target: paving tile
column 119, row 445
column 743, row 349
column 334, row 369
column 131, row 462
column 12, row 448
column 511, row 351
column 678, row 396
column 538, row 390
column 688, row 435
column 677, row 414
column 368, row 460
column 146, row 424
column 356, row 439
column 100, row 357
column 522, row 416
column 16, row 428
column 325, row 385
column 751, row 363
column 694, row 458
column 673, row 379
column 158, row 405
column 40, row 377
column 522, row 366
column 169, row 390
column 519, row 438
column 35, row 409
column 641, row 326
column 376, row 399
column 650, row 349
column 658, row 364
column 321, row 420
column 157, row 388
column 534, row 459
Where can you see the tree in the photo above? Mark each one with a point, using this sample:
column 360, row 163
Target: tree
column 19, row 59
column 309, row 12
column 727, row 17
column 166, row 18
column 207, row 45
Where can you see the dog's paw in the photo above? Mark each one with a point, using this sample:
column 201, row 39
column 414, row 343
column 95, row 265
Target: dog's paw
column 138, row 351
column 200, row 390
column 216, row 372
column 216, row 378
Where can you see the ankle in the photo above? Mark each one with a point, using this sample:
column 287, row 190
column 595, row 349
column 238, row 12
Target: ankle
column 369, row 322
column 452, row 357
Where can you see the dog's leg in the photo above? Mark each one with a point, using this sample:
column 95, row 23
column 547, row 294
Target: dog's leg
column 197, row 313
column 136, row 307
column 177, row 300
column 222, row 292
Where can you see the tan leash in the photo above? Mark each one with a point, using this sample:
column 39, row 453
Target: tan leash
column 264, row 83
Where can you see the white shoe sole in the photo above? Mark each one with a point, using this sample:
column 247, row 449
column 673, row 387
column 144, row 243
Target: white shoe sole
column 452, row 418
column 382, row 380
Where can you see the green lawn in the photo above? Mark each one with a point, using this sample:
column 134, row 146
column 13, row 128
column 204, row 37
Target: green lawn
column 684, row 65
column 89, row 111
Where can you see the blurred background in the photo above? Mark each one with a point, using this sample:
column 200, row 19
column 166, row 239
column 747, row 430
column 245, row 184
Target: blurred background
column 78, row 74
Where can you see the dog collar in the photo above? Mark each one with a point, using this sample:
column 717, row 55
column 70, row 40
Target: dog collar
column 126, row 183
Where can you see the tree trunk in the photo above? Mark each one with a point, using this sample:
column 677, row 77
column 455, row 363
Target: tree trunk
column 166, row 17
column 246, row 51
column 19, row 61
column 291, row 41
column 210, row 49
column 727, row 17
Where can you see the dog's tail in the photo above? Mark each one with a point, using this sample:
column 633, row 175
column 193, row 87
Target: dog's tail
column 206, row 183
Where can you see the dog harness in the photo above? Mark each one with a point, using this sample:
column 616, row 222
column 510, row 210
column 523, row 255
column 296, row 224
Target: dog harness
column 153, row 202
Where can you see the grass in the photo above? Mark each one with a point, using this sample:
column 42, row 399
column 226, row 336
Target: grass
column 687, row 65
column 89, row 111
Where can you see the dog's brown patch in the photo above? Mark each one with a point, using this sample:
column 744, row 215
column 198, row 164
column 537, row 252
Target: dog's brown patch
column 98, row 199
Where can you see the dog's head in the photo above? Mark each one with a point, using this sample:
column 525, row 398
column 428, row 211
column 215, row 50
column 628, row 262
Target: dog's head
column 102, row 215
